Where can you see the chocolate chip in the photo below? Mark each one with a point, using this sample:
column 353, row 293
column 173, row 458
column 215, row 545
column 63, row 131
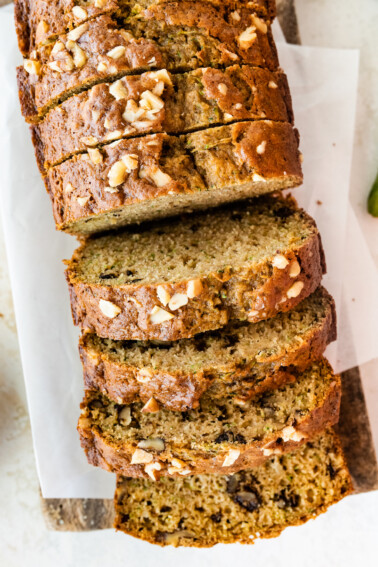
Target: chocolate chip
column 125, row 518
column 284, row 212
column 239, row 438
column 248, row 500
column 286, row 499
column 108, row 276
column 225, row 436
column 243, row 491
column 331, row 471
column 217, row 518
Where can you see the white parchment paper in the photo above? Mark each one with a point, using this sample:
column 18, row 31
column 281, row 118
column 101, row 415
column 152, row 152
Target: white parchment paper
column 323, row 84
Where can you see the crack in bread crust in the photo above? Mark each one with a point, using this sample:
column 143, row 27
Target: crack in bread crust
column 201, row 169
column 254, row 291
column 38, row 21
column 110, row 445
column 186, row 102
column 180, row 389
column 190, row 37
column 202, row 511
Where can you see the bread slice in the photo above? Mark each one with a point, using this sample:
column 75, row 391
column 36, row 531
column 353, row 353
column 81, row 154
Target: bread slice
column 156, row 176
column 38, row 21
column 241, row 360
column 219, row 436
column 201, row 511
column 177, row 36
column 176, row 279
column 158, row 101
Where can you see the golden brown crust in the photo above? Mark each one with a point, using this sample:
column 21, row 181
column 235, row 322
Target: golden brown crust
column 251, row 294
column 116, row 456
column 58, row 16
column 198, row 165
column 68, row 66
column 180, row 390
column 188, row 102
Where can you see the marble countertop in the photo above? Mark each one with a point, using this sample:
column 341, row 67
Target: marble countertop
column 347, row 534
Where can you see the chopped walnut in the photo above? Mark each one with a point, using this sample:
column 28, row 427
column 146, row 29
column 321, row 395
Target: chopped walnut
column 194, row 288
column 151, row 406
column 280, row 261
column 247, row 38
column 109, row 309
column 32, row 67
column 95, row 155
column 159, row 315
column 118, row 90
column 231, row 457
column 141, row 457
column 76, row 33
column 116, row 52
column 163, row 295
column 295, row 289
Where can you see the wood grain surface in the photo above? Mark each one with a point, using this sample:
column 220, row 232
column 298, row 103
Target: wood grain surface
column 354, row 428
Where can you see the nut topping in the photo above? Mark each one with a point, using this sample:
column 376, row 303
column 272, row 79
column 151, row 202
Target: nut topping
column 177, row 300
column 153, row 444
column 272, row 85
column 163, row 295
column 151, row 406
column 291, row 434
column 79, row 13
column 82, row 201
column 141, row 457
column 261, row 148
column 69, row 188
column 295, row 289
column 124, row 416
column 194, row 288
column 256, row 177
column 222, row 88
column 259, row 24
column 109, row 309
column 151, row 468
column 76, row 33
column 41, row 31
column 116, row 52
column 95, row 155
column 280, row 262
column 247, row 38
column 295, row 269
column 159, row 315
column 155, row 174
column 79, row 56
column 32, row 67
column 231, row 457
column 144, row 375
column 118, row 90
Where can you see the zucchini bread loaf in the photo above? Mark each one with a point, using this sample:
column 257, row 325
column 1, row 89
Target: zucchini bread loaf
column 241, row 360
column 186, row 276
column 38, row 21
column 179, row 37
column 159, row 101
column 219, row 436
column 156, row 176
column 201, row 511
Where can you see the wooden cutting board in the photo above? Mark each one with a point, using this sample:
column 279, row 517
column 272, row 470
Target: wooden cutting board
column 354, row 428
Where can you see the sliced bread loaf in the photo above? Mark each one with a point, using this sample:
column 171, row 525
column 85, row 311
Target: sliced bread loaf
column 219, row 436
column 156, row 176
column 38, row 21
column 186, row 276
column 176, row 37
column 158, row 101
column 201, row 511
column 241, row 360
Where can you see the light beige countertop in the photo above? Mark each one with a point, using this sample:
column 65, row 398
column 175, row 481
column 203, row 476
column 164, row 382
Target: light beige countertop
column 348, row 534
